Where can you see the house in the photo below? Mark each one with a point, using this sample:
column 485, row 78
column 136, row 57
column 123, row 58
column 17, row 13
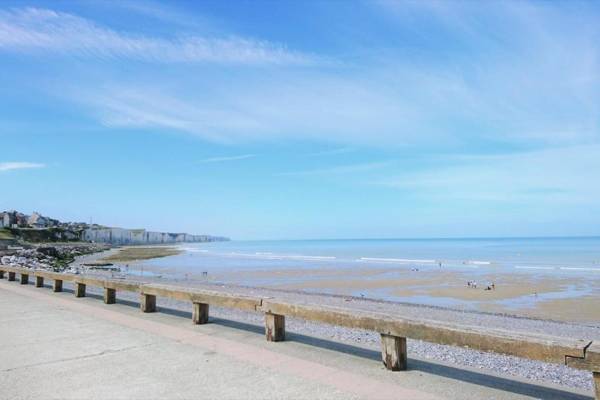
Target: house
column 14, row 219
column 36, row 220
column 10, row 218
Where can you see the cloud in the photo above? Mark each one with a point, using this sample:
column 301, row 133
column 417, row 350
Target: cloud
column 528, row 77
column 35, row 29
column 10, row 166
column 161, row 12
column 332, row 152
column 228, row 158
column 340, row 169
column 543, row 177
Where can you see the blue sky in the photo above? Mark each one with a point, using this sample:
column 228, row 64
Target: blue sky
column 304, row 119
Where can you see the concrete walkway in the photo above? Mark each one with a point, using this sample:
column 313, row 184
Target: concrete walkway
column 56, row 346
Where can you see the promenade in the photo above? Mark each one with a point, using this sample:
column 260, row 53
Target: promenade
column 56, row 346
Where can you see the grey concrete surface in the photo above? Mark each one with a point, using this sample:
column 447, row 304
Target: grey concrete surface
column 53, row 345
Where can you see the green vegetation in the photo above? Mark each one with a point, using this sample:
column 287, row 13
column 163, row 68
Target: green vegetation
column 141, row 253
column 48, row 235
column 6, row 234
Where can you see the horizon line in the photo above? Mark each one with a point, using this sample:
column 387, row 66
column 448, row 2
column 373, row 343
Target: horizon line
column 429, row 238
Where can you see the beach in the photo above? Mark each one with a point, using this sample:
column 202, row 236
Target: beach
column 548, row 279
column 572, row 317
column 501, row 364
column 137, row 253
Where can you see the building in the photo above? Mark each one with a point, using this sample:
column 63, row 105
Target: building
column 37, row 220
column 11, row 219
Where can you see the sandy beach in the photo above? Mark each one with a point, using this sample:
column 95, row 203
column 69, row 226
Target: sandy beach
column 533, row 370
column 530, row 320
column 511, row 294
column 556, row 297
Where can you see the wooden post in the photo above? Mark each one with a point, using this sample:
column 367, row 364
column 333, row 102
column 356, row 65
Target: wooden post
column 274, row 327
column 57, row 287
column 200, row 313
column 597, row 383
column 24, row 279
column 11, row 276
column 79, row 289
column 39, row 281
column 147, row 303
column 393, row 352
column 110, row 296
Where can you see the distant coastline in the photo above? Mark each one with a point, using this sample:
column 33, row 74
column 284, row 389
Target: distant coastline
column 121, row 236
column 36, row 228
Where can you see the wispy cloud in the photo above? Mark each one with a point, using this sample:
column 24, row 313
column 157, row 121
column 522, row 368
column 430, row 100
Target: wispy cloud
column 551, row 176
column 227, row 158
column 35, row 29
column 161, row 12
column 10, row 166
column 340, row 169
column 527, row 77
column 332, row 152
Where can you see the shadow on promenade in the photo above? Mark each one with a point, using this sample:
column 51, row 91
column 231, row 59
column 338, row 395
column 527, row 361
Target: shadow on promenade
column 478, row 378
column 474, row 377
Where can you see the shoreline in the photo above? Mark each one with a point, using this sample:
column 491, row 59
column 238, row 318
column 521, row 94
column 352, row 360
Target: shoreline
column 442, row 288
column 571, row 299
column 533, row 370
column 133, row 254
column 157, row 274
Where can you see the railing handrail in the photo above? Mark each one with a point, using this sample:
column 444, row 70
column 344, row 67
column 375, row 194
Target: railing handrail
column 577, row 353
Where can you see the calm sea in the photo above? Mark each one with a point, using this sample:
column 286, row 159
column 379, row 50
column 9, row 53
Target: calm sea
column 374, row 268
column 553, row 255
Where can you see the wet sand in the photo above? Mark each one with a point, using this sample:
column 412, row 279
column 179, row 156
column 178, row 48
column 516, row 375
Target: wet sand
column 584, row 309
column 574, row 298
column 135, row 253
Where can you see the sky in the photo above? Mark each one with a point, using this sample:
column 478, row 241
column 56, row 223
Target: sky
column 295, row 120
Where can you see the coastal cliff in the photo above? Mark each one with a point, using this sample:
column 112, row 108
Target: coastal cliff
column 142, row 236
column 35, row 228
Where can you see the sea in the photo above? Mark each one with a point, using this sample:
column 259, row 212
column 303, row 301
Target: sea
column 565, row 256
column 403, row 270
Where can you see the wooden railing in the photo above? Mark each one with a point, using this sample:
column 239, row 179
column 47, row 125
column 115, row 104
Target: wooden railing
column 577, row 353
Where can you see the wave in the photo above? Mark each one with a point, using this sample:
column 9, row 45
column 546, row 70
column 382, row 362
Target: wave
column 581, row 269
column 312, row 257
column 193, row 250
column 271, row 256
column 396, row 260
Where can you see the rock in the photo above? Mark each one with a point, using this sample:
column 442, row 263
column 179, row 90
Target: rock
column 48, row 251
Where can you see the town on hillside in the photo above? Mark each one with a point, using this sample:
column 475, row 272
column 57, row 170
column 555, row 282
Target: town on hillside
column 15, row 225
